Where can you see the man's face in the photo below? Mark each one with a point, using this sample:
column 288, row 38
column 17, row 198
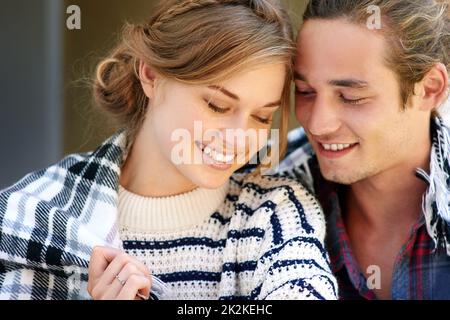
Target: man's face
column 349, row 102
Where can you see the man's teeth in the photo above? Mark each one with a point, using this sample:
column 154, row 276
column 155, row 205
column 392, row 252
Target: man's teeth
column 219, row 157
column 336, row 147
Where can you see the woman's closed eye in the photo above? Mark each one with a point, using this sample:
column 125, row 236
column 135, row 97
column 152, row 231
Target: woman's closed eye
column 215, row 108
column 221, row 110
column 263, row 120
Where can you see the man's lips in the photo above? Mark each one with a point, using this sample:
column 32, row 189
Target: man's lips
column 336, row 146
column 335, row 150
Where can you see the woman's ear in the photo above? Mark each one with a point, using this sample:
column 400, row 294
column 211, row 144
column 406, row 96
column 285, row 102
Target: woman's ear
column 433, row 88
column 148, row 79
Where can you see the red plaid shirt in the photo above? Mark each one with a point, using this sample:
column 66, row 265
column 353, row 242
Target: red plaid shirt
column 420, row 271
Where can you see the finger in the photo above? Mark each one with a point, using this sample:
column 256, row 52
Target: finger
column 114, row 268
column 104, row 290
column 99, row 261
column 127, row 271
column 145, row 292
column 102, row 256
column 134, row 285
column 141, row 266
column 130, row 259
column 140, row 296
column 131, row 269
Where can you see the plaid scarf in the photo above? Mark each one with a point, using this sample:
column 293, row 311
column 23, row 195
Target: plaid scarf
column 436, row 200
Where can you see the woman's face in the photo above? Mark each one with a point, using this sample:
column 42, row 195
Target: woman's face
column 205, row 133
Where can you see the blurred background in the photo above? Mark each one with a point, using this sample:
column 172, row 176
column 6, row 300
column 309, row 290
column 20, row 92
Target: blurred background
column 46, row 111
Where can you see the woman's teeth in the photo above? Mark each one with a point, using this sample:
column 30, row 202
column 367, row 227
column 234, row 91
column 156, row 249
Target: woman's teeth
column 219, row 157
column 336, row 147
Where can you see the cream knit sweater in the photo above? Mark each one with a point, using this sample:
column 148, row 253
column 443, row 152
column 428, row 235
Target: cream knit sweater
column 254, row 238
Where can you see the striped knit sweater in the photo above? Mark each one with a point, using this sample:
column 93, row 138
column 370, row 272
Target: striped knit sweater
column 254, row 238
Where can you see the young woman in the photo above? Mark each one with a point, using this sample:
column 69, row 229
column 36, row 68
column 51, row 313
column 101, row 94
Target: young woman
column 130, row 220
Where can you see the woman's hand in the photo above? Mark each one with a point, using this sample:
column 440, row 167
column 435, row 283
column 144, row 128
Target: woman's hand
column 114, row 275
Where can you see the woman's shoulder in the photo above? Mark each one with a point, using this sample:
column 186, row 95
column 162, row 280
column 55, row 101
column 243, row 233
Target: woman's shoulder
column 274, row 187
column 53, row 173
column 99, row 165
column 279, row 200
column 77, row 185
column 54, row 208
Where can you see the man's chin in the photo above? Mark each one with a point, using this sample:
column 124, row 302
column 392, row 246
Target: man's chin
column 344, row 177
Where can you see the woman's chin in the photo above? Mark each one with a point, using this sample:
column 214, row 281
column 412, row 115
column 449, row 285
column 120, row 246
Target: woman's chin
column 210, row 178
column 213, row 183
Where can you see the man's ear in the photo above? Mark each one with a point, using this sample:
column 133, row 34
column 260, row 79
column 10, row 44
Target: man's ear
column 433, row 88
column 148, row 79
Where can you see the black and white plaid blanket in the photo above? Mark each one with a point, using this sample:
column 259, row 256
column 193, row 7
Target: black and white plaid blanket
column 51, row 220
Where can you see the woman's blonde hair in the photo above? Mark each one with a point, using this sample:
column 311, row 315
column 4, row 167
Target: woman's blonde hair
column 195, row 42
column 418, row 33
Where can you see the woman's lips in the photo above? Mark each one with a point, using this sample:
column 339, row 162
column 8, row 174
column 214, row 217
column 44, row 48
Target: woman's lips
column 213, row 158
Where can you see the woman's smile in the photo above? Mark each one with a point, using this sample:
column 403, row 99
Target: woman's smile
column 216, row 159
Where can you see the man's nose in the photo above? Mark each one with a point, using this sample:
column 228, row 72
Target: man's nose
column 323, row 118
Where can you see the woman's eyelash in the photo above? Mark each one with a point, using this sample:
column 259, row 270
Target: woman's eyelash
column 263, row 121
column 216, row 109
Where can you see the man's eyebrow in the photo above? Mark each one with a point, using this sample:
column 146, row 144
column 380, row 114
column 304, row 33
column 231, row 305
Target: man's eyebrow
column 225, row 92
column 350, row 83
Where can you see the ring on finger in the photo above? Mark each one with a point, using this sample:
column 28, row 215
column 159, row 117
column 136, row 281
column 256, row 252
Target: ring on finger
column 122, row 282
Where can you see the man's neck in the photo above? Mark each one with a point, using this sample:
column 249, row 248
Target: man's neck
column 379, row 214
column 391, row 199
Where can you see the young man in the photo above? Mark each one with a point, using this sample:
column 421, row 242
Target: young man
column 370, row 76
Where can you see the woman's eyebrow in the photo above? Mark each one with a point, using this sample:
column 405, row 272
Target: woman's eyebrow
column 225, row 92
column 273, row 104
column 235, row 97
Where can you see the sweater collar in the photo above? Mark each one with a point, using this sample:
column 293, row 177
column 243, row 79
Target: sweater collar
column 146, row 214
